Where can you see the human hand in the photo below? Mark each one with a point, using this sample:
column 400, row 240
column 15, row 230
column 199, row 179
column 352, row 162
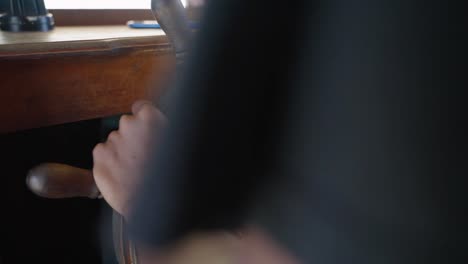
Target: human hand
column 119, row 163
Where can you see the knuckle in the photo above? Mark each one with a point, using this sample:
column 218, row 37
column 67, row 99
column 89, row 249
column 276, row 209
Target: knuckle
column 98, row 150
column 114, row 135
column 124, row 121
column 147, row 112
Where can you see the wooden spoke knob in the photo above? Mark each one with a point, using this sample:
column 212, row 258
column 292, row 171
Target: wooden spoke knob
column 52, row 180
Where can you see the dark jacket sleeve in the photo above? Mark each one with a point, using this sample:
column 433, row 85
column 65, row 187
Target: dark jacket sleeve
column 336, row 125
column 223, row 117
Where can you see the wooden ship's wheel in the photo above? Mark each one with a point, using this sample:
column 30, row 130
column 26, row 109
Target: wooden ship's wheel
column 58, row 181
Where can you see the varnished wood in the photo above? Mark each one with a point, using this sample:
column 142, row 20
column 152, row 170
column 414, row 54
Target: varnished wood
column 71, row 40
column 79, row 73
column 56, row 181
column 100, row 17
column 93, row 17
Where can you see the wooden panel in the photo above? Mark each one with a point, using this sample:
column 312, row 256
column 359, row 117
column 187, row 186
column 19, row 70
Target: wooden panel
column 79, row 39
column 88, row 17
column 78, row 80
column 91, row 17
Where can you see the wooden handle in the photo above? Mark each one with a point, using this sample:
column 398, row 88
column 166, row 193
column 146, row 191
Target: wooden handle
column 52, row 180
column 170, row 14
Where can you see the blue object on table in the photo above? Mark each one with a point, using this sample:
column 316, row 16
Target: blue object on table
column 153, row 24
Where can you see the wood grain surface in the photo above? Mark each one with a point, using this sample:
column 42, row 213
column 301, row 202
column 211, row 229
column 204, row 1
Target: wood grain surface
column 78, row 39
column 93, row 17
column 78, row 73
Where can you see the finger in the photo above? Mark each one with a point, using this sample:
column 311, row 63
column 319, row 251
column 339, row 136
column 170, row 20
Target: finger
column 104, row 152
column 149, row 113
column 138, row 105
column 125, row 122
column 103, row 160
column 98, row 152
column 113, row 137
column 128, row 127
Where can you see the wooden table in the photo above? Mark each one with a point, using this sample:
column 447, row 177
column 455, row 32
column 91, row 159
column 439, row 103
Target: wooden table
column 78, row 73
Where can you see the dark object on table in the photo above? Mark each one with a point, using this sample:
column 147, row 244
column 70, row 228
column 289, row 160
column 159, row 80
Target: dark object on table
column 25, row 15
column 172, row 19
